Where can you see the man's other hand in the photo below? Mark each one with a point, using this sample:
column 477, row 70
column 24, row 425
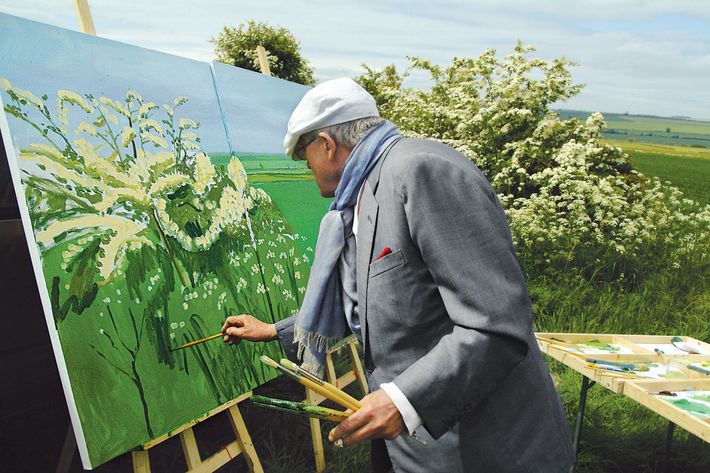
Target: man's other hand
column 246, row 327
column 377, row 418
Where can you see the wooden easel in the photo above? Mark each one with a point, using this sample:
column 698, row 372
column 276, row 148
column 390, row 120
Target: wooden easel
column 355, row 374
column 242, row 445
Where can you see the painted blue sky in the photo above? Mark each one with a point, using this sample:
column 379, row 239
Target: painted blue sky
column 640, row 56
column 44, row 59
column 243, row 93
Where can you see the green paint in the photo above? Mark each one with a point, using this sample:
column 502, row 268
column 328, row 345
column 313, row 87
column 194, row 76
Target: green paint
column 694, row 407
column 599, row 345
column 702, row 397
column 300, row 408
column 675, row 375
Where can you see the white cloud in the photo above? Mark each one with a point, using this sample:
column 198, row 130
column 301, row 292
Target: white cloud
column 644, row 56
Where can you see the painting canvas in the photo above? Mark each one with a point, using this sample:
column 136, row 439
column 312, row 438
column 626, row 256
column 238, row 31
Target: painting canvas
column 144, row 227
column 257, row 139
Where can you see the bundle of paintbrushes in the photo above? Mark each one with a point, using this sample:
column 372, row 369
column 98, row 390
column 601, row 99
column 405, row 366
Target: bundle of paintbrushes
column 312, row 382
column 300, row 408
column 324, row 388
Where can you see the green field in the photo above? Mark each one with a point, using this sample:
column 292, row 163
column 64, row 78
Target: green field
column 688, row 169
column 649, row 129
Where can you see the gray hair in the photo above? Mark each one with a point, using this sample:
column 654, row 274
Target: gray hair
column 349, row 133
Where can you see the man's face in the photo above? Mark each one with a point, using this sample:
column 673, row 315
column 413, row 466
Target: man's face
column 326, row 159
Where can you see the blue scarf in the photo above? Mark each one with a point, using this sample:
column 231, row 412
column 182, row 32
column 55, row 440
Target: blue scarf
column 321, row 321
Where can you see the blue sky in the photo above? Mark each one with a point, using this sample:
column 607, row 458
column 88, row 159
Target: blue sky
column 650, row 57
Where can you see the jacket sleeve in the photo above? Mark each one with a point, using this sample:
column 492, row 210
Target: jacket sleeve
column 458, row 224
column 284, row 332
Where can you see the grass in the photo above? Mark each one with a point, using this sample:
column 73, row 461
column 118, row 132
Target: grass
column 619, row 434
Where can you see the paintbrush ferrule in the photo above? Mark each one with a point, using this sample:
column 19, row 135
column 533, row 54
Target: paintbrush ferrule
column 290, row 365
column 269, row 362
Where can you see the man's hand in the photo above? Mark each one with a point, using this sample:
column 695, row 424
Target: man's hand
column 245, row 327
column 377, row 418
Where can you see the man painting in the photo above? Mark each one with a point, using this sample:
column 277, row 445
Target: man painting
column 416, row 259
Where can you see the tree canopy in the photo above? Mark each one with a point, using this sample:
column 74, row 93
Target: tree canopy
column 572, row 199
column 237, row 46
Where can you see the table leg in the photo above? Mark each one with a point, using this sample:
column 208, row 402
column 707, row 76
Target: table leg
column 586, row 384
column 669, row 447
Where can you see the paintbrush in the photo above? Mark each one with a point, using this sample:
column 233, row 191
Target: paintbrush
column 334, row 394
column 352, row 403
column 559, row 343
column 292, row 407
column 629, row 365
column 202, row 340
column 699, row 369
column 612, row 370
column 308, row 382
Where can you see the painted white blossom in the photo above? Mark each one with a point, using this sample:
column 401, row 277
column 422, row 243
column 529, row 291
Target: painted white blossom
column 236, row 173
column 204, row 173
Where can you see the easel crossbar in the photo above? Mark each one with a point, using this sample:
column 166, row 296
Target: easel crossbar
column 196, row 421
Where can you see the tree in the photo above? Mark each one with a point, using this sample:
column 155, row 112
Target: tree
column 237, row 46
column 572, row 199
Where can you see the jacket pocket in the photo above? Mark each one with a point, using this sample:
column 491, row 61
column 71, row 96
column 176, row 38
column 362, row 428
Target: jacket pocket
column 386, row 263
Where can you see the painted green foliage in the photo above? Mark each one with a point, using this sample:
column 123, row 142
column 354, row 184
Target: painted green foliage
column 146, row 244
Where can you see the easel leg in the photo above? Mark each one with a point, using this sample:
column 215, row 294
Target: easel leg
column 244, row 439
column 586, row 384
column 357, row 366
column 330, row 375
column 141, row 462
column 68, row 449
column 669, row 447
column 189, row 448
column 316, row 437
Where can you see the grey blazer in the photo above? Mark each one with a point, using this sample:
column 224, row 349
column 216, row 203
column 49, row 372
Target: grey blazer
column 446, row 317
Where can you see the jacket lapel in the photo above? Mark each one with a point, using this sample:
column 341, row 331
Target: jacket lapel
column 365, row 238
column 367, row 224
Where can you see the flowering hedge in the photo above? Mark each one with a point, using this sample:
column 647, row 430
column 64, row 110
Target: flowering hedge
column 572, row 199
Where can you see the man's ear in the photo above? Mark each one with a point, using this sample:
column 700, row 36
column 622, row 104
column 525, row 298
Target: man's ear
column 330, row 145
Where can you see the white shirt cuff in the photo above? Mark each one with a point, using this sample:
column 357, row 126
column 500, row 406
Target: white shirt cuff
column 411, row 419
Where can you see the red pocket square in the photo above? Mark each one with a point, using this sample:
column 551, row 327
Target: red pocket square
column 384, row 253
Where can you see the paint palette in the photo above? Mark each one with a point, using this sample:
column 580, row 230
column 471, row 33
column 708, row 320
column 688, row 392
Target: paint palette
column 656, row 354
column 683, row 402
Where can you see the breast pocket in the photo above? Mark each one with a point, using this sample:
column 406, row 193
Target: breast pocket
column 386, row 263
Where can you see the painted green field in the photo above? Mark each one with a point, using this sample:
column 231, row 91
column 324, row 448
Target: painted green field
column 301, row 205
column 648, row 129
column 291, row 187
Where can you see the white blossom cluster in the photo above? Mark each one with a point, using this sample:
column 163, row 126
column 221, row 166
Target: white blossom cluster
column 568, row 195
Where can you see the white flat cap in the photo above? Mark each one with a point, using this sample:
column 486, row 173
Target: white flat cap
column 329, row 103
